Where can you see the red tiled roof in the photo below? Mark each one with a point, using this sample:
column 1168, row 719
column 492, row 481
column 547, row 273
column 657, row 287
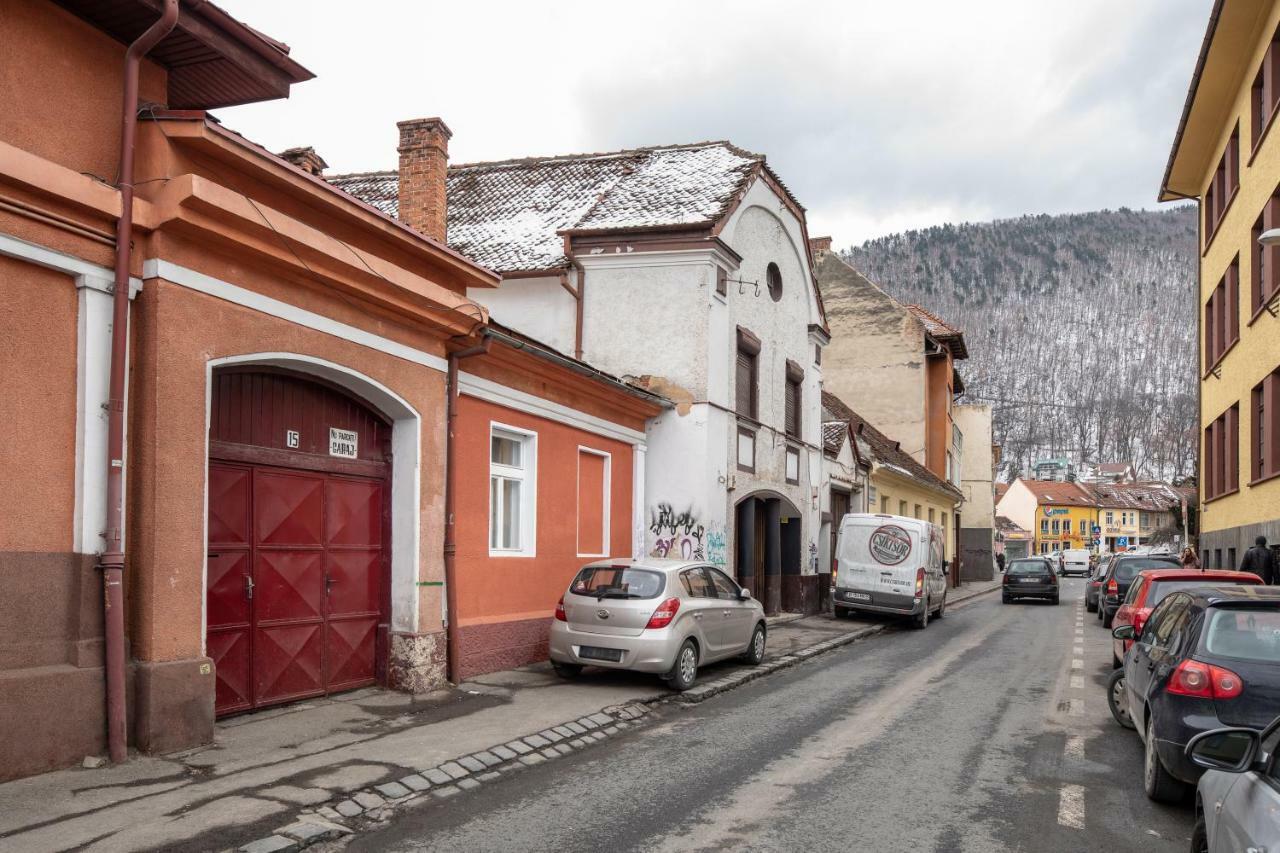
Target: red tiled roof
column 884, row 450
column 941, row 330
column 1058, row 494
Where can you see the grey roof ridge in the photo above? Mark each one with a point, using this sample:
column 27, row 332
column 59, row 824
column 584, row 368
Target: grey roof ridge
column 376, row 173
column 623, row 152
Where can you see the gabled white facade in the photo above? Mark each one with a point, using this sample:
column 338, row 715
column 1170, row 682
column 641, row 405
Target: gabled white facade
column 656, row 316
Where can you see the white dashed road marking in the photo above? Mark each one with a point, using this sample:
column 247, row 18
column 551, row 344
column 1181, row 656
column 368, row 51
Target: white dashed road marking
column 1071, row 806
column 1075, row 746
column 1076, row 663
column 1077, row 682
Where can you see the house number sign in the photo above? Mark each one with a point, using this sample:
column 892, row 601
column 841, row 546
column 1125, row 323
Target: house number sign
column 343, row 442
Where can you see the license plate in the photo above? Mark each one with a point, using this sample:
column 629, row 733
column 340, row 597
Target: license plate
column 597, row 653
column 1029, row 580
column 857, row 596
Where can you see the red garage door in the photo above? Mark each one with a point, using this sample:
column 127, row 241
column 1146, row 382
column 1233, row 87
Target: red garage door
column 297, row 577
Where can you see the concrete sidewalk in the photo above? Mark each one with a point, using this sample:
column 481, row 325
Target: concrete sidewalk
column 337, row 761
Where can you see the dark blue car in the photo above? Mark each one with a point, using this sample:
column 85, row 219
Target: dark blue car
column 1208, row 657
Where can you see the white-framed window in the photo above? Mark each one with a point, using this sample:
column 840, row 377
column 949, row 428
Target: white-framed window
column 793, row 465
column 594, row 472
column 513, row 491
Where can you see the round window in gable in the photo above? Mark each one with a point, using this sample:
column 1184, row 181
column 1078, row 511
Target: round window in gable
column 774, row 277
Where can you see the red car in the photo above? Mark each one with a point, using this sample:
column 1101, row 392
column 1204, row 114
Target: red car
column 1151, row 585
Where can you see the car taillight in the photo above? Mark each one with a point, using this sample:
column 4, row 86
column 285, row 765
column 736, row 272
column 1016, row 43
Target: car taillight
column 835, row 570
column 919, row 583
column 1053, row 578
column 560, row 610
column 1113, row 588
column 666, row 611
column 1205, row 681
column 1006, row 578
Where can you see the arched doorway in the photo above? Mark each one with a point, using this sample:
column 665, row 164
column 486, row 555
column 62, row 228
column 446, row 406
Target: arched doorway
column 768, row 555
column 298, row 581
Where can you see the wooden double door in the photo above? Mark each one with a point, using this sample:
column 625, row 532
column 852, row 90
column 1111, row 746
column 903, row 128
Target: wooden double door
column 295, row 589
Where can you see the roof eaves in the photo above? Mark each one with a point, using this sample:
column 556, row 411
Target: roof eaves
column 1165, row 193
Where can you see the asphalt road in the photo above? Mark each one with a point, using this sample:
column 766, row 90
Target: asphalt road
column 988, row 731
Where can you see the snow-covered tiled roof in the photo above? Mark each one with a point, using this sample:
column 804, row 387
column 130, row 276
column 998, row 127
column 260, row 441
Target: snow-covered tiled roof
column 506, row 215
column 941, row 330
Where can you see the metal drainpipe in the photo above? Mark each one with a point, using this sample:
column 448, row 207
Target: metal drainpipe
column 581, row 296
column 112, row 562
column 452, row 661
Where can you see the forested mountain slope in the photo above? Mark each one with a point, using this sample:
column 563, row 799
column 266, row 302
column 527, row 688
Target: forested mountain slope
column 1081, row 328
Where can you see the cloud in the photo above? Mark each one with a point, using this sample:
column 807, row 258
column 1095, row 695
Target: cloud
column 879, row 116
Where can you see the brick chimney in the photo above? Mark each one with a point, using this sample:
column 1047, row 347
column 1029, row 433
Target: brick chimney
column 306, row 159
column 818, row 245
column 424, row 162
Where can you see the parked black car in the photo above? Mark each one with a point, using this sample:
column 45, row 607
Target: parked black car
column 1093, row 586
column 1120, row 575
column 1208, row 657
column 1033, row 577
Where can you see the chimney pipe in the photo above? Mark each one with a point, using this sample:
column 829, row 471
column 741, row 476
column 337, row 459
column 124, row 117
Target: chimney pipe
column 818, row 245
column 305, row 159
column 424, row 163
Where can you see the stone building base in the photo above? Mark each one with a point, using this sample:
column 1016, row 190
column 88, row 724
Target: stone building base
column 1216, row 546
column 977, row 554
column 418, row 662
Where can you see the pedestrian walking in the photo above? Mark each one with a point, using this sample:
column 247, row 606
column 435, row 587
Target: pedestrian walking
column 1190, row 560
column 1261, row 561
column 1000, row 561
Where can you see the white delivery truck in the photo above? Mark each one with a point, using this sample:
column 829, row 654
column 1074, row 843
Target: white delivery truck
column 1075, row 561
column 889, row 564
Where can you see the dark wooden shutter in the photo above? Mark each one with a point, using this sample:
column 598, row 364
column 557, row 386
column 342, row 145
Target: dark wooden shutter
column 744, row 384
column 793, row 408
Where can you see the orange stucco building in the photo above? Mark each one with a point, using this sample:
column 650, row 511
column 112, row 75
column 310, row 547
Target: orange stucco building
column 286, row 447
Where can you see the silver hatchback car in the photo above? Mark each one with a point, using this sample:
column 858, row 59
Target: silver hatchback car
column 662, row 616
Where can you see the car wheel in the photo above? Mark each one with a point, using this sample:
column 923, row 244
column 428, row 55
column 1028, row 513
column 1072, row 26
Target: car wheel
column 685, row 670
column 755, row 651
column 1004, row 598
column 1158, row 783
column 1091, row 607
column 840, row 612
column 922, row 621
column 1107, row 619
column 1117, row 701
column 1200, row 836
column 941, row 607
column 567, row 670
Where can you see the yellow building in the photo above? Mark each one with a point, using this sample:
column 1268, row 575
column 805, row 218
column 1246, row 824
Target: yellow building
column 1226, row 156
column 1059, row 515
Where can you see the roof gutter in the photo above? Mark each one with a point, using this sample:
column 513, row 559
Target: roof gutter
column 112, row 561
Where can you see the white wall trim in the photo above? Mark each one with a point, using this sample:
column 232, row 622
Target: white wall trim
column 606, row 518
column 95, row 276
column 95, row 285
column 521, row 401
column 666, row 258
column 198, row 281
column 406, row 473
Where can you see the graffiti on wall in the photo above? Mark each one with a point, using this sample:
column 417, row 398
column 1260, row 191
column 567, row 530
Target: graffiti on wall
column 677, row 535
column 716, row 553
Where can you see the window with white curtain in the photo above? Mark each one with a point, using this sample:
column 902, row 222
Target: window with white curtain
column 512, row 491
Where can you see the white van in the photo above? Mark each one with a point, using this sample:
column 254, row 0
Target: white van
column 889, row 564
column 1075, row 561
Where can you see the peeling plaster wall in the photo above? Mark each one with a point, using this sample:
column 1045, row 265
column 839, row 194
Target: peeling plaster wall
column 976, row 465
column 875, row 362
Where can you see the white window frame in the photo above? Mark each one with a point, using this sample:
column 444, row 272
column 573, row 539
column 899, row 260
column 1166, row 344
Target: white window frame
column 606, row 514
column 528, row 476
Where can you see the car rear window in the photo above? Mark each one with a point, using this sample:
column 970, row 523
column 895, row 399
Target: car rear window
column 1247, row 633
column 618, row 582
column 1126, row 569
column 1159, row 589
column 1027, row 567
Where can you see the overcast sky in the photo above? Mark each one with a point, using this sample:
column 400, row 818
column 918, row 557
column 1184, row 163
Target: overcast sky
column 879, row 115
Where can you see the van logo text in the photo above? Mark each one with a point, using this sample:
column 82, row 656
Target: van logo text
column 890, row 545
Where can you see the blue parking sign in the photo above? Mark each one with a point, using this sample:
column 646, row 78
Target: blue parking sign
column 1122, row 541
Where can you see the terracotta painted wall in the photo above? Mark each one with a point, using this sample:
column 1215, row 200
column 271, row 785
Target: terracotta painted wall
column 937, row 417
column 60, row 87
column 505, row 602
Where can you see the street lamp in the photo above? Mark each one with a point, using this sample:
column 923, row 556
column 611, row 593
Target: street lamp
column 1270, row 237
